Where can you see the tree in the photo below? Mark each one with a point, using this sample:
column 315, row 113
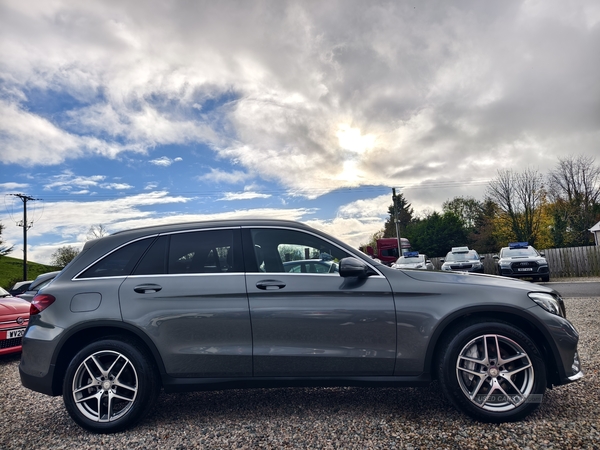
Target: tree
column 372, row 242
column 405, row 216
column 519, row 197
column 467, row 209
column 436, row 234
column 574, row 187
column 97, row 231
column 484, row 237
column 63, row 256
column 4, row 250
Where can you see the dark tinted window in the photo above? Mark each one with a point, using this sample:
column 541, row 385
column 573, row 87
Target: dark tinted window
column 195, row 252
column 120, row 262
column 390, row 252
column 154, row 261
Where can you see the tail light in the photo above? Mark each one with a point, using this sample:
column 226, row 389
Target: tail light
column 40, row 302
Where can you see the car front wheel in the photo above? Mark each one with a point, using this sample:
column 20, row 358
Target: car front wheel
column 109, row 386
column 493, row 372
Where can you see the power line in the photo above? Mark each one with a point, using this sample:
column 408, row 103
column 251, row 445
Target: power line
column 26, row 226
column 274, row 191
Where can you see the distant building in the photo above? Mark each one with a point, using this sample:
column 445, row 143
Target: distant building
column 596, row 231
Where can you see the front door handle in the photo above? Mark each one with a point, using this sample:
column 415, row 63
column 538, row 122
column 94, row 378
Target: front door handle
column 147, row 288
column 267, row 285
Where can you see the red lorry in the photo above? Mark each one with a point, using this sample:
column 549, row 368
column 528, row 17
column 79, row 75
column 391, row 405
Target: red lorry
column 387, row 250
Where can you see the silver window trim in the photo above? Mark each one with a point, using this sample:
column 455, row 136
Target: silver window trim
column 351, row 251
column 167, row 233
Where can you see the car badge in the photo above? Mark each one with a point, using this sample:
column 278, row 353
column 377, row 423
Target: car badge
column 20, row 320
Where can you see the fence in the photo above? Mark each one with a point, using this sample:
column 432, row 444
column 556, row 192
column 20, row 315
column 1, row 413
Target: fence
column 563, row 262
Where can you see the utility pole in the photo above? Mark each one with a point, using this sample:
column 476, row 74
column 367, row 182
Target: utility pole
column 394, row 198
column 26, row 226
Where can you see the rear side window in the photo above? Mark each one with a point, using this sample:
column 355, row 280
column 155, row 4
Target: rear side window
column 213, row 251
column 120, row 262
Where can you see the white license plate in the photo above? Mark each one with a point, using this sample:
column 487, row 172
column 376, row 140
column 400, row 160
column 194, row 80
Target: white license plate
column 526, row 269
column 12, row 334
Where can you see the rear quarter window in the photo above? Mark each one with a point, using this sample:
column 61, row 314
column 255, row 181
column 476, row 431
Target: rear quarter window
column 120, row 262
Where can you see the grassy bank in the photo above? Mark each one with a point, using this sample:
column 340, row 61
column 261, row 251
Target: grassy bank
column 11, row 271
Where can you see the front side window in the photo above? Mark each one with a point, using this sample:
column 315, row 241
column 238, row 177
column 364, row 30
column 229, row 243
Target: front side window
column 294, row 252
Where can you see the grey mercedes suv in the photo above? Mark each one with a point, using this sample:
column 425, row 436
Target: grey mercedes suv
column 210, row 305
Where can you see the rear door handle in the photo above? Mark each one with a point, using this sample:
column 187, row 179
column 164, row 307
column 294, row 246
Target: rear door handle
column 267, row 285
column 147, row 288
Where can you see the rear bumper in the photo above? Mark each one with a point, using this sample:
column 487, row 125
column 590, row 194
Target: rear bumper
column 43, row 384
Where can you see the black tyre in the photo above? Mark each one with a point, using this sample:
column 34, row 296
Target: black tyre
column 493, row 372
column 110, row 385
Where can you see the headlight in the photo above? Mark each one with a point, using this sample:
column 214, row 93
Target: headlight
column 542, row 262
column 547, row 301
column 418, row 266
column 504, row 263
column 445, row 267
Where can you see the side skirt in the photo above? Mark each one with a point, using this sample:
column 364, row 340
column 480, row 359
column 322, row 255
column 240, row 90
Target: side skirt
column 173, row 385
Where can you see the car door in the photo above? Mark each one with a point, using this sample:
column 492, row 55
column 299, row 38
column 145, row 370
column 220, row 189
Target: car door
column 319, row 323
column 188, row 294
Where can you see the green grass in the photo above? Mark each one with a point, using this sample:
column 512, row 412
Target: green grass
column 11, row 271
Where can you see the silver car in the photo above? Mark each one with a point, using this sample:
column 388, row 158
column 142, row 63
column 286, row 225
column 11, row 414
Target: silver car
column 40, row 282
column 463, row 259
column 413, row 260
column 210, row 305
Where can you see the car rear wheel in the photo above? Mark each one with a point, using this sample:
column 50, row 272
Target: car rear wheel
column 109, row 386
column 493, row 372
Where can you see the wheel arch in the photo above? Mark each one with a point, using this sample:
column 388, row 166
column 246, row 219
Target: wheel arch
column 527, row 323
column 79, row 337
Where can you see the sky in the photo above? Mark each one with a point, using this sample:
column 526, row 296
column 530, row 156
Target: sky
column 132, row 113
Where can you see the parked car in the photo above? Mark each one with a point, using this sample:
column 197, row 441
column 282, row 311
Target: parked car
column 310, row 266
column 14, row 317
column 520, row 259
column 37, row 284
column 20, row 287
column 413, row 260
column 209, row 305
column 463, row 259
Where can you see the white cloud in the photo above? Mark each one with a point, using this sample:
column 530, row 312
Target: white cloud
column 12, row 186
column 312, row 98
column 116, row 186
column 246, row 195
column 113, row 213
column 68, row 180
column 220, row 176
column 164, row 161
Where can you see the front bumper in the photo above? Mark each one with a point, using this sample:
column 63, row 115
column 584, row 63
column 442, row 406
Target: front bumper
column 536, row 271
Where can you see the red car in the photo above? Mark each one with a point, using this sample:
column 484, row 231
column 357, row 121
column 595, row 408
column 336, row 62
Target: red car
column 14, row 317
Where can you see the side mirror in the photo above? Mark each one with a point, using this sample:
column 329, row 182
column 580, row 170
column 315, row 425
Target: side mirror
column 354, row 267
column 442, row 260
column 428, row 261
column 481, row 258
column 542, row 254
column 496, row 257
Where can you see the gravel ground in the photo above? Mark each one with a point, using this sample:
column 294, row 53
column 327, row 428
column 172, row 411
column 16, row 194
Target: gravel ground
column 321, row 418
